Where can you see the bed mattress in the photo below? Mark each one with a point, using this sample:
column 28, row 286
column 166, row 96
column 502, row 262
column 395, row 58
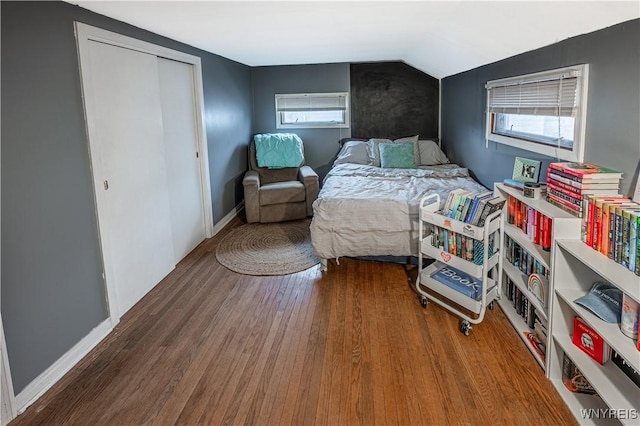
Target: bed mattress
column 365, row 210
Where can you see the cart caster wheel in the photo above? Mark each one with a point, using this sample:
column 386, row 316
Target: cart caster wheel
column 424, row 302
column 465, row 327
column 490, row 306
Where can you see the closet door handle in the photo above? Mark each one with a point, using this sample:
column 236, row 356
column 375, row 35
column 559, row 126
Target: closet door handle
column 106, row 185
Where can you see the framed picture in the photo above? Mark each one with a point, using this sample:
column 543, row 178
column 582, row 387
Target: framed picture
column 525, row 170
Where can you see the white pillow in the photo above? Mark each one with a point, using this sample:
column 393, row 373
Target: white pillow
column 430, row 153
column 374, row 150
column 353, row 152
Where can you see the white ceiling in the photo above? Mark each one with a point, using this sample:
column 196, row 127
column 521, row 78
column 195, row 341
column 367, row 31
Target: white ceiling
column 441, row 38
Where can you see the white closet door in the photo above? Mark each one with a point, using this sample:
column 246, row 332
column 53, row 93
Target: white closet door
column 181, row 150
column 125, row 125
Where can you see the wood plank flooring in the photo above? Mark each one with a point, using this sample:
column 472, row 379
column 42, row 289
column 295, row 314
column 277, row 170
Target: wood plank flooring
column 348, row 346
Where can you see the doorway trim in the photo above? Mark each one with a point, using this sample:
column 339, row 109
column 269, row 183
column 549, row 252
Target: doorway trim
column 87, row 33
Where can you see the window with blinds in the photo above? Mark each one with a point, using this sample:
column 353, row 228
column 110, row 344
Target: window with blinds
column 299, row 110
column 542, row 112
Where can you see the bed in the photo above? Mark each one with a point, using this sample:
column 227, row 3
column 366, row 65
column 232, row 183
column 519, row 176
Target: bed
column 367, row 209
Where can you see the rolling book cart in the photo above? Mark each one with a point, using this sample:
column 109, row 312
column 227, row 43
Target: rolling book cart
column 461, row 279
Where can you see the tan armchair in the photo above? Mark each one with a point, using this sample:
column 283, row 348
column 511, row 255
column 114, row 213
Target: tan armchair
column 278, row 195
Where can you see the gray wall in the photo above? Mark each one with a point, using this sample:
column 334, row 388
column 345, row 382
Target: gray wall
column 613, row 129
column 52, row 290
column 321, row 145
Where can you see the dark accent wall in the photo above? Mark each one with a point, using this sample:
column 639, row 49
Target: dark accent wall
column 321, row 145
column 52, row 288
column 391, row 100
column 613, row 116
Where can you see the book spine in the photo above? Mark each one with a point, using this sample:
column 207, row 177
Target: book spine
column 597, row 225
column 511, row 209
column 557, row 168
column 566, row 203
column 638, row 253
column 567, row 197
column 633, row 237
column 563, row 207
column 535, row 235
column 590, row 215
column 604, row 239
column 617, row 253
column 573, row 192
column 562, row 186
column 612, row 232
column 624, row 255
column 567, row 180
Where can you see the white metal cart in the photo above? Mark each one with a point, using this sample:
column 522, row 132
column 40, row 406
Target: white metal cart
column 489, row 271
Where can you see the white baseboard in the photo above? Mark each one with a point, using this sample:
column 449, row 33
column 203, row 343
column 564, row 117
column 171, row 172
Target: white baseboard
column 66, row 362
column 228, row 218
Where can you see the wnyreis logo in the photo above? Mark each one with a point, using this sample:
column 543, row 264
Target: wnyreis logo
column 609, row 413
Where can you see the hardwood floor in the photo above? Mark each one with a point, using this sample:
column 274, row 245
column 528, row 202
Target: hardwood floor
column 348, row 346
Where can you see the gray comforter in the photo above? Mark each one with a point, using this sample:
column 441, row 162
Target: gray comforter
column 371, row 211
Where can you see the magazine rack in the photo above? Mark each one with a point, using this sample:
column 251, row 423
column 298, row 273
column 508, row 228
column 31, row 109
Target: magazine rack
column 487, row 272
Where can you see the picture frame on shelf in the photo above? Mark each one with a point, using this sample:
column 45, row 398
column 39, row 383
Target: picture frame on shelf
column 526, row 170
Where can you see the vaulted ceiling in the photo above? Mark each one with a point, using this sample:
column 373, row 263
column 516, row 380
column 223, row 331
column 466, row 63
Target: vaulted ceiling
column 441, row 38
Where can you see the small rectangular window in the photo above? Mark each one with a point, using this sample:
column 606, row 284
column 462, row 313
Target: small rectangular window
column 542, row 112
column 319, row 110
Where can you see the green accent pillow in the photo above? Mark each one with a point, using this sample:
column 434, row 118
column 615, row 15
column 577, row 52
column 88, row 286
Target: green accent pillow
column 397, row 155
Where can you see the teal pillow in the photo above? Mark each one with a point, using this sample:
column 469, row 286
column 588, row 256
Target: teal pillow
column 397, row 155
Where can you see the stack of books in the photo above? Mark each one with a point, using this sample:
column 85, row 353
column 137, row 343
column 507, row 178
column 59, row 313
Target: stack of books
column 568, row 183
column 471, row 207
column 610, row 225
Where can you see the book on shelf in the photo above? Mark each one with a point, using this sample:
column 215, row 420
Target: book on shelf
column 593, row 213
column 626, row 368
column 575, row 199
column 537, row 344
column 474, row 205
column 514, row 183
column 586, row 171
column 629, row 235
column 448, row 205
column 573, row 379
column 579, row 190
column 589, row 341
column 555, row 175
column 573, row 208
column 491, row 205
column 460, row 281
column 563, row 207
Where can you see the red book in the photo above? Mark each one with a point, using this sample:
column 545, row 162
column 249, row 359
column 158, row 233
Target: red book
column 596, row 201
column 567, row 203
column 589, row 341
column 586, row 170
column 604, row 189
column 591, row 210
column 546, row 243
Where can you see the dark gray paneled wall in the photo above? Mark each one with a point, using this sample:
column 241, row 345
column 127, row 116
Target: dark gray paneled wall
column 52, row 290
column 613, row 118
column 321, row 145
column 393, row 99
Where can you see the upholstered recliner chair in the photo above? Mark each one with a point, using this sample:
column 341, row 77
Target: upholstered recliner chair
column 278, row 194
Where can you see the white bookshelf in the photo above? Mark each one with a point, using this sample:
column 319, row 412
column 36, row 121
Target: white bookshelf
column 564, row 226
column 576, row 268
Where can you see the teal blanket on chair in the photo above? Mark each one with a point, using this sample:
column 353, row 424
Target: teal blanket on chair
column 278, row 150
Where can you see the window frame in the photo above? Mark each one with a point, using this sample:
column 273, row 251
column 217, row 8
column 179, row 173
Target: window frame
column 313, row 125
column 579, row 131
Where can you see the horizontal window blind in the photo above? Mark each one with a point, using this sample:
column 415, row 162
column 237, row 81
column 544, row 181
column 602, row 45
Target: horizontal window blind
column 551, row 96
column 311, row 102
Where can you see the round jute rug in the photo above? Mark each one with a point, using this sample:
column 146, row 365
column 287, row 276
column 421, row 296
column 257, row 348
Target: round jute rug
column 268, row 249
